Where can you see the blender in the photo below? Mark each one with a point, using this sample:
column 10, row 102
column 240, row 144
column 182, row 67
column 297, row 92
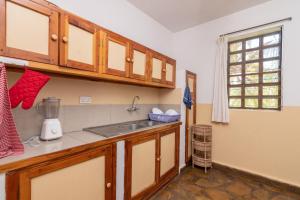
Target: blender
column 51, row 128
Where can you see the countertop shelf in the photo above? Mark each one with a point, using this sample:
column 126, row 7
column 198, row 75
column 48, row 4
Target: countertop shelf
column 70, row 143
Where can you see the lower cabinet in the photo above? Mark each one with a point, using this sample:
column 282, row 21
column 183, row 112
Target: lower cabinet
column 88, row 175
column 150, row 162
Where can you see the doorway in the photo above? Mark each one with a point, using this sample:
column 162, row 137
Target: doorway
column 190, row 114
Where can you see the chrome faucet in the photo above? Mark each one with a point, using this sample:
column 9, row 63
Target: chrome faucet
column 133, row 105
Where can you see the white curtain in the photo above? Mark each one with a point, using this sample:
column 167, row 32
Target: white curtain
column 220, row 111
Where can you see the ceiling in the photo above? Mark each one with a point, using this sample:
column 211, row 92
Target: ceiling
column 177, row 15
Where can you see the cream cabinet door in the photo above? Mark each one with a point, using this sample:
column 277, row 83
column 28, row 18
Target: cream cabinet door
column 117, row 59
column 139, row 62
column 142, row 168
column 170, row 72
column 79, row 44
column 82, row 181
column 31, row 31
column 167, row 153
column 84, row 176
column 157, row 69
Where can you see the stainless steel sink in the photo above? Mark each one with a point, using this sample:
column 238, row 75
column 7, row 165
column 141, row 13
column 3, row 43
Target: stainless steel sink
column 121, row 128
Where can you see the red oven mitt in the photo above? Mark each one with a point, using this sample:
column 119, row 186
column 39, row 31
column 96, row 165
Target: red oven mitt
column 27, row 88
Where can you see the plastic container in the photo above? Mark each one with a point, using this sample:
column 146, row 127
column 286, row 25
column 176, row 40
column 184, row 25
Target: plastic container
column 164, row 118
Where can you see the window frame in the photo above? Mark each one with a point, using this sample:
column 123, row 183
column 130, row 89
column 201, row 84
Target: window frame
column 260, row 73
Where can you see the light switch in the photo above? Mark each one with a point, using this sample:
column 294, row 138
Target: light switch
column 85, row 100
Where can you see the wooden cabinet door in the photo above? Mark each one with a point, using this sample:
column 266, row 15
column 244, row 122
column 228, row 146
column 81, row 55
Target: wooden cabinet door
column 141, row 166
column 169, row 153
column 139, row 61
column 157, row 63
column 170, row 72
column 79, row 43
column 116, row 55
column 28, row 31
column 87, row 175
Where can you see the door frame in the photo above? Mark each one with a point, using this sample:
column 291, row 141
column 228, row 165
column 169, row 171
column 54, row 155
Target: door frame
column 188, row 75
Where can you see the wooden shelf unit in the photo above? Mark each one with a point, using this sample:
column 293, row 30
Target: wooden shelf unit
column 202, row 146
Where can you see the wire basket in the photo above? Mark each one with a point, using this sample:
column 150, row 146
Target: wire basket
column 163, row 118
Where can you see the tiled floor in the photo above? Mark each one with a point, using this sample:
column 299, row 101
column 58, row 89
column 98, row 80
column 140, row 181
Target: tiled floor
column 193, row 184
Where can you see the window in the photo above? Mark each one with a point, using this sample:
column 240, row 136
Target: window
column 254, row 72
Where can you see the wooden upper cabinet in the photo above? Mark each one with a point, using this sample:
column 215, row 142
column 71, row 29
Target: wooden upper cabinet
column 116, row 56
column 170, row 72
column 139, row 61
column 35, row 30
column 28, row 31
column 157, row 63
column 79, row 43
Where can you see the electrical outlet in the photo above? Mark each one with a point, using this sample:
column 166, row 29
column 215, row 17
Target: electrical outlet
column 85, row 100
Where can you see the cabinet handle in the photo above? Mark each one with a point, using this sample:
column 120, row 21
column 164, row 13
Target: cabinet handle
column 108, row 185
column 54, row 37
column 65, row 39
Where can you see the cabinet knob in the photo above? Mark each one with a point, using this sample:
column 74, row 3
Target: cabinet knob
column 128, row 59
column 54, row 37
column 132, row 60
column 65, row 39
column 158, row 159
column 164, row 70
column 108, row 185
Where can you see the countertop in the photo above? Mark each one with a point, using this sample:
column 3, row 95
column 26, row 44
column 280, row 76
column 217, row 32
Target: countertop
column 69, row 142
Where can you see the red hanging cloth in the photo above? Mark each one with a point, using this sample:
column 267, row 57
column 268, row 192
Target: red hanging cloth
column 10, row 143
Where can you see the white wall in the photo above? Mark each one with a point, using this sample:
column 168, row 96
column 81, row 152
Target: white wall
column 195, row 47
column 260, row 142
column 123, row 18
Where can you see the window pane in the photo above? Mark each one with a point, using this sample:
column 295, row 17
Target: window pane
column 251, row 91
column 236, row 46
column 255, row 72
column 235, row 80
column 236, row 103
column 271, row 52
column 235, row 91
column 235, row 69
column 270, row 90
column 272, row 65
column 271, row 39
column 252, row 55
column 234, row 58
column 252, row 68
column 251, row 103
column 251, row 79
column 270, row 103
column 270, row 78
column 254, row 43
